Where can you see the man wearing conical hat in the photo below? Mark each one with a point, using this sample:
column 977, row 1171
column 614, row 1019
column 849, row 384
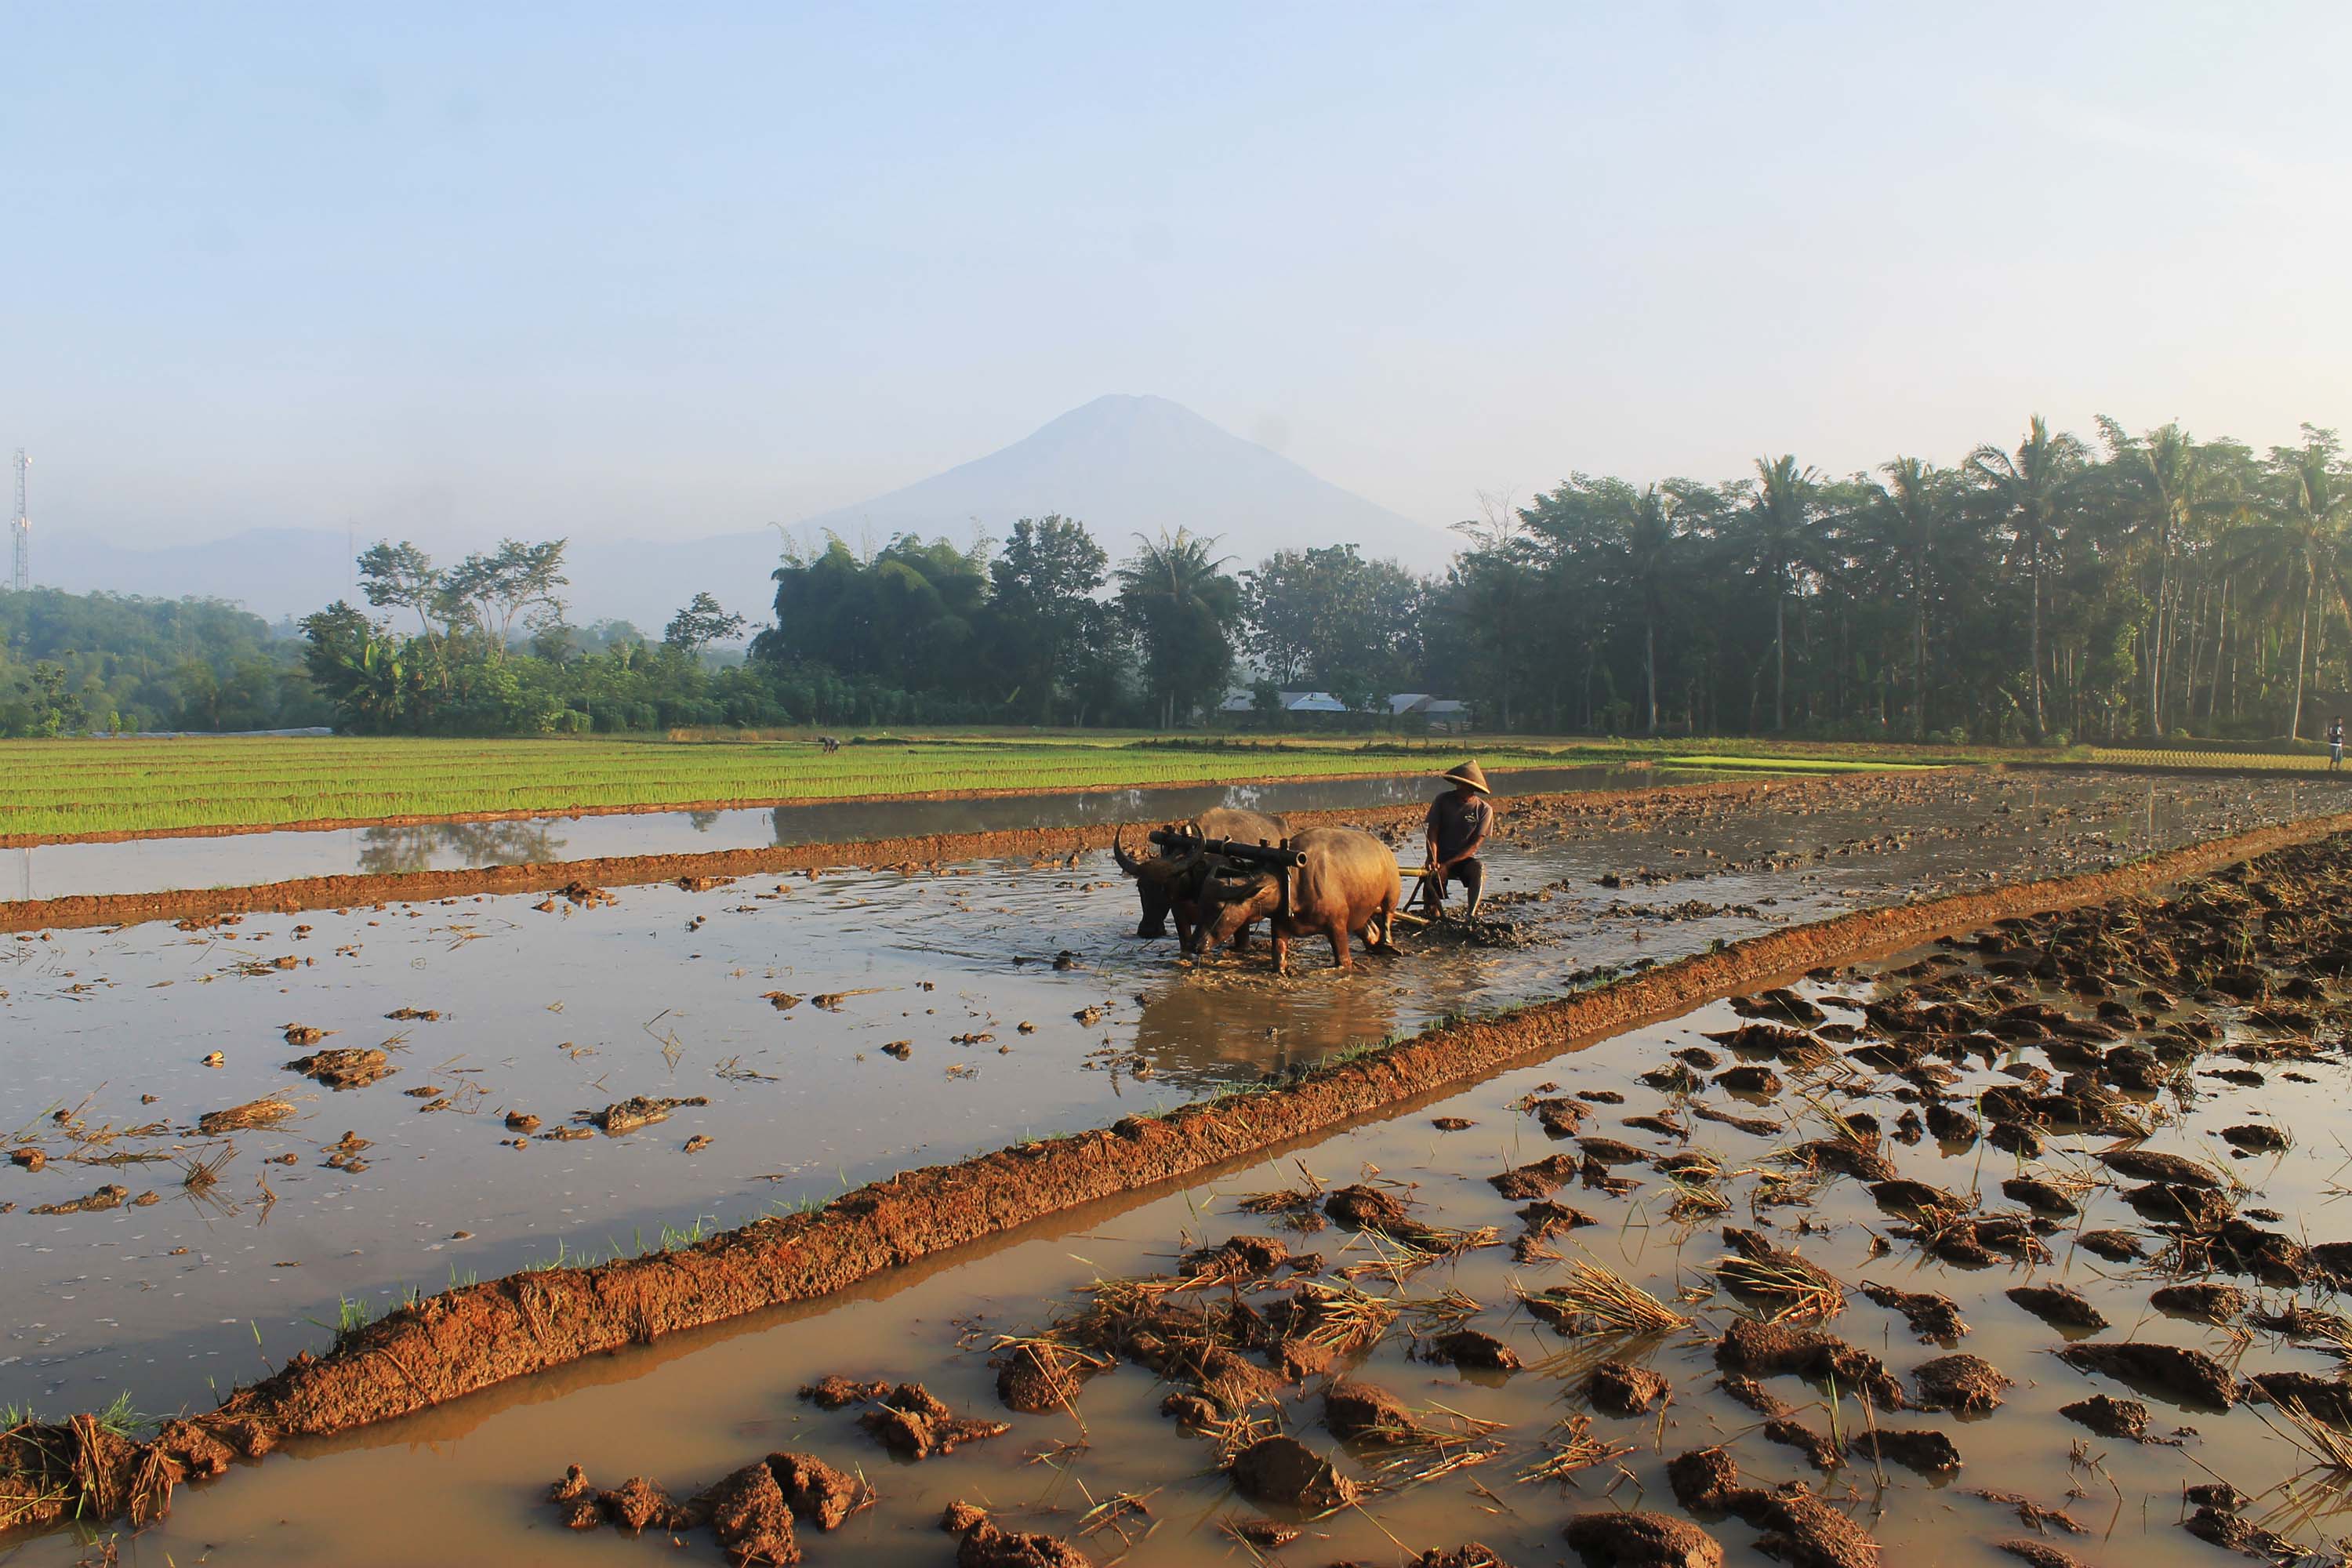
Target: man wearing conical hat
column 1459, row 821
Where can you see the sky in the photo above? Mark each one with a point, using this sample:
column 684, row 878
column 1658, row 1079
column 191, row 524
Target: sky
column 677, row 271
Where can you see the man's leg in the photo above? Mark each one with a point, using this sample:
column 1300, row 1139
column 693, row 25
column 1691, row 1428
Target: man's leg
column 1472, row 874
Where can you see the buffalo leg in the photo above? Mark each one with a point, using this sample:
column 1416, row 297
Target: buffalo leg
column 1281, row 952
column 1341, row 958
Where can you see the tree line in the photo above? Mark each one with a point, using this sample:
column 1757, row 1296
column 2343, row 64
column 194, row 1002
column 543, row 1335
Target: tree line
column 2035, row 590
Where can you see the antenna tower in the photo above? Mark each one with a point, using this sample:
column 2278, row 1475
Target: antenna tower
column 21, row 530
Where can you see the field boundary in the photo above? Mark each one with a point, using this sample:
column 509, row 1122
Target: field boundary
column 77, row 909
column 473, row 1337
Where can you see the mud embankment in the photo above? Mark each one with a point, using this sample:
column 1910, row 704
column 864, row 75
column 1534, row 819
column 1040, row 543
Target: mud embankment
column 909, row 853
column 477, row 1336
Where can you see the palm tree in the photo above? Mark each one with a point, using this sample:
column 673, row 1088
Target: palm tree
column 1908, row 519
column 2302, row 548
column 2176, row 485
column 1649, row 550
column 1181, row 602
column 1779, row 537
column 2034, row 486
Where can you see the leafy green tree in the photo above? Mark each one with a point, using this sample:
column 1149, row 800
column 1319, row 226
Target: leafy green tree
column 1184, row 608
column 1042, row 588
column 401, row 576
column 701, row 623
column 1778, row 538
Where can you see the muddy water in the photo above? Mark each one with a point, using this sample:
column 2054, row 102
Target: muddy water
column 155, row 864
column 551, row 1012
column 689, row 1410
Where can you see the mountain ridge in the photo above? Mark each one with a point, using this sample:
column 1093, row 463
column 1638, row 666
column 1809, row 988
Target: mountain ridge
column 1123, row 464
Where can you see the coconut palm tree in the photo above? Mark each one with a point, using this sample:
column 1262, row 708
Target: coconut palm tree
column 2177, row 496
column 1907, row 518
column 1183, row 602
column 1778, row 536
column 2034, row 484
column 2304, row 549
column 1649, row 548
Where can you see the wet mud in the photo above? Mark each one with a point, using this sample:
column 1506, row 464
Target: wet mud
column 475, row 1337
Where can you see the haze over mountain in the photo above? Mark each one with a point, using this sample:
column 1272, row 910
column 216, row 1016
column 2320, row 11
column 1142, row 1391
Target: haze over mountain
column 1122, row 465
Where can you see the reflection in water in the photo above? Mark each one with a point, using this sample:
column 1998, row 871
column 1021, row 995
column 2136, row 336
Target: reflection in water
column 702, row 821
column 1223, row 1022
column 423, row 847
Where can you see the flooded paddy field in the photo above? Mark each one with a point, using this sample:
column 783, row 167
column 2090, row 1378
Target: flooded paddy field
column 834, row 1028
column 151, row 865
column 548, row 1008
column 2014, row 1238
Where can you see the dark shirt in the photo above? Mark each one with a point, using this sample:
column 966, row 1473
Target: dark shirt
column 1457, row 822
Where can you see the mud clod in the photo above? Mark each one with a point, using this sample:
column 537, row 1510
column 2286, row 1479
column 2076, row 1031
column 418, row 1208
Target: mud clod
column 238, row 1118
column 1625, row 1540
column 1360, row 1412
column 1702, row 1479
column 1922, row 1449
column 1802, row 1530
column 748, row 1518
column 1766, row 1350
column 2061, row 1305
column 637, row 1110
column 1037, row 1378
column 817, row 1492
column 2109, row 1417
column 1474, row 1348
column 109, row 1196
column 2169, row 1372
column 1618, row 1388
column 986, row 1546
column 1362, row 1208
column 915, row 1424
column 343, row 1067
column 1287, row 1471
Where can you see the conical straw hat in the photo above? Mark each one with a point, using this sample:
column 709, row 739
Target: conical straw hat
column 1471, row 774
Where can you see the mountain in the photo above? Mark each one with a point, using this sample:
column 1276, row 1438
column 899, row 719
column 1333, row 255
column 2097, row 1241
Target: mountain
column 1122, row 465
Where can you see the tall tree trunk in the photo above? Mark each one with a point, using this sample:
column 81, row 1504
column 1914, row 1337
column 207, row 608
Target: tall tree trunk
column 2036, row 645
column 1779, row 659
column 1918, row 649
column 1650, row 666
column 2220, row 640
column 2302, row 638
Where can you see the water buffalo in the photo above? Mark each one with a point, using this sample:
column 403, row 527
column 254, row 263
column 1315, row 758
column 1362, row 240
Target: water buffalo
column 1349, row 886
column 1171, row 883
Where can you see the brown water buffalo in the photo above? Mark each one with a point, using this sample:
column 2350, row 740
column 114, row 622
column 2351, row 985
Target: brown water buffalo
column 1169, row 884
column 1349, row 886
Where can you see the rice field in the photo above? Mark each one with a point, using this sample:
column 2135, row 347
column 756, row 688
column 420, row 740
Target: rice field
column 73, row 788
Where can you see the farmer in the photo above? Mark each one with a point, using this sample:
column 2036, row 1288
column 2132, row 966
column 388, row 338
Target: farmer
column 1458, row 823
column 2336, row 744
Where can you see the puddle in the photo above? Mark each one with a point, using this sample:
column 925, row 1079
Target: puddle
column 550, row 1013
column 158, row 865
column 689, row 1410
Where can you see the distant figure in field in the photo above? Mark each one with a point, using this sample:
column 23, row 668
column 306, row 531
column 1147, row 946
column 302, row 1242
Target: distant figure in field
column 828, row 743
column 1458, row 823
column 2336, row 744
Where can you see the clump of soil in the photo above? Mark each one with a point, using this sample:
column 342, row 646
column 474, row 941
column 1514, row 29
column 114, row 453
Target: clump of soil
column 1620, row 1539
column 1360, row 1207
column 1472, row 1348
column 1617, row 1388
column 1768, row 1349
column 913, row 1423
column 1287, row 1471
column 1538, row 1180
column 1702, row 1479
column 2169, row 1372
column 238, row 1118
column 2206, row 1303
column 109, row 1196
column 343, row 1067
column 1364, row 1413
column 1034, row 1378
column 1923, row 1448
column 637, row 1110
column 2059, row 1305
column 2110, row 1416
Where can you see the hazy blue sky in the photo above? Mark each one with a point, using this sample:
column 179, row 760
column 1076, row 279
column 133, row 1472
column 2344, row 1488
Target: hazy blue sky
column 677, row 270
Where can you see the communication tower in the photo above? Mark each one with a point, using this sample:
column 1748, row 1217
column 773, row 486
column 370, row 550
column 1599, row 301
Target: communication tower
column 21, row 530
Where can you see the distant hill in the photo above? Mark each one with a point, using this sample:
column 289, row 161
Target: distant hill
column 1122, row 465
